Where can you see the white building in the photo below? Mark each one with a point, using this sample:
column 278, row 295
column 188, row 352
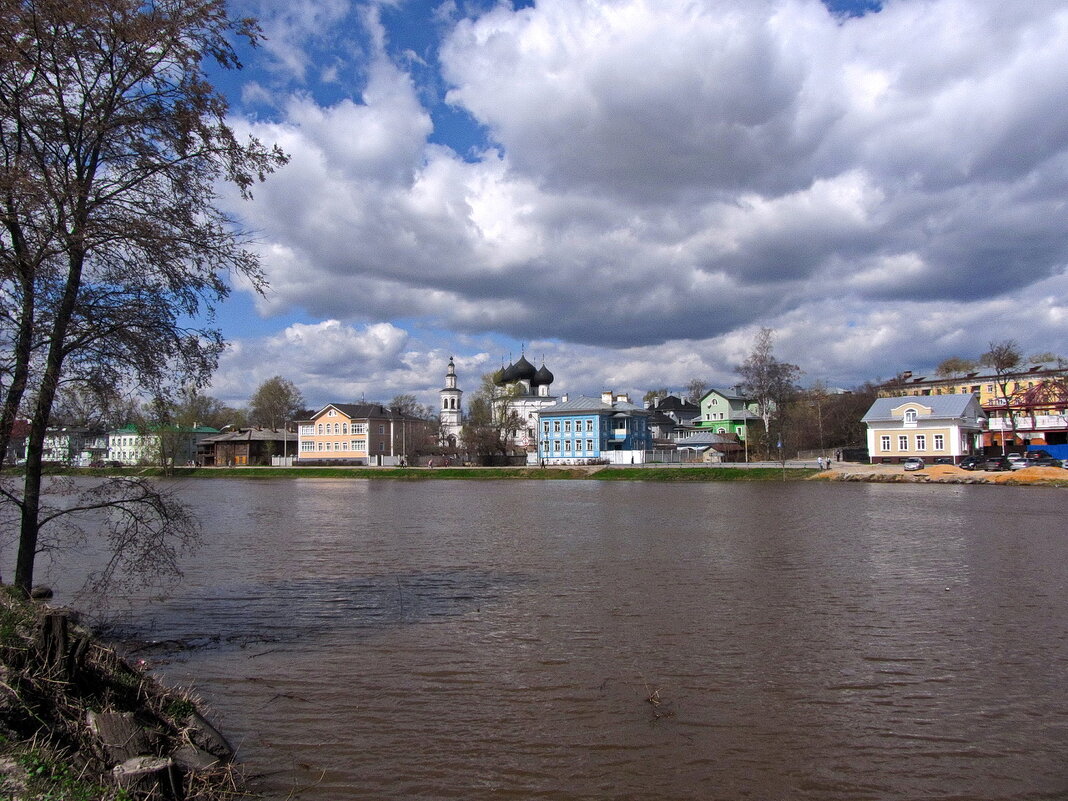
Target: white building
column 525, row 391
column 451, row 414
column 131, row 446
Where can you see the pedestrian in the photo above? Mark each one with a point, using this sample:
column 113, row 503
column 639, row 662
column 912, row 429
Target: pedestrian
column 819, row 461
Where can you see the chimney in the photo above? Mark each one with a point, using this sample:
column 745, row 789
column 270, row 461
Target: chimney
column 606, row 396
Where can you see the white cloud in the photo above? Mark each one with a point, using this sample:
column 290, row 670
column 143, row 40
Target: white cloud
column 664, row 178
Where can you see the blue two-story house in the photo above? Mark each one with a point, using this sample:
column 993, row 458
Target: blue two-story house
column 583, row 429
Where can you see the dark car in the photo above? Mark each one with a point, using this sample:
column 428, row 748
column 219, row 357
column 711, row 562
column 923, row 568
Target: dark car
column 914, row 463
column 944, row 460
column 997, row 463
column 972, row 462
column 1043, row 461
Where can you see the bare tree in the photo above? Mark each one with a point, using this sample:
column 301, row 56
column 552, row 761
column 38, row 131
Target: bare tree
column 696, row 390
column 769, row 383
column 491, row 422
column 651, row 398
column 955, row 366
column 1004, row 358
column 276, row 402
column 114, row 144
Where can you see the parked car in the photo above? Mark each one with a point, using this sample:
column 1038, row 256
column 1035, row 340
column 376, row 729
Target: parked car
column 997, row 463
column 944, row 460
column 1043, row 461
column 914, row 463
column 972, row 462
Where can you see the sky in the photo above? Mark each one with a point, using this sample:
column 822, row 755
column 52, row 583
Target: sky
column 629, row 190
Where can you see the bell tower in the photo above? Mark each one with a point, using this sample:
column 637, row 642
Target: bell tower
column 451, row 411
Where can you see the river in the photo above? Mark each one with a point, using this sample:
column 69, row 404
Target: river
column 597, row 640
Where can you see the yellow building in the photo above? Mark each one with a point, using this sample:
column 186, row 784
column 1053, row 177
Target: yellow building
column 360, row 434
column 982, row 384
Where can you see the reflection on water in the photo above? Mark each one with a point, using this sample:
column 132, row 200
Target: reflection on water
column 380, row 640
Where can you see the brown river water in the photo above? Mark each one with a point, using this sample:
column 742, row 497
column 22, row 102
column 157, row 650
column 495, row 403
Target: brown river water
column 595, row 640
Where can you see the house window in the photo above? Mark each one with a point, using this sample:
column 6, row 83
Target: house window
column 320, row 428
column 382, row 430
column 902, row 443
column 589, row 426
column 344, row 428
column 939, row 442
column 359, row 428
column 556, row 426
column 307, row 446
column 921, row 442
column 556, row 446
column 910, row 415
column 545, row 427
column 589, row 445
column 320, row 446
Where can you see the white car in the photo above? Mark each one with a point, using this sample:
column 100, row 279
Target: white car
column 914, row 463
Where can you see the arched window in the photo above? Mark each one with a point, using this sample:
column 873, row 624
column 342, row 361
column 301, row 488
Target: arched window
column 910, row 415
column 320, row 428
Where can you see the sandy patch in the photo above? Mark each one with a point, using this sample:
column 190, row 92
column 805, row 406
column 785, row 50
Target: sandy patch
column 943, row 470
column 1031, row 475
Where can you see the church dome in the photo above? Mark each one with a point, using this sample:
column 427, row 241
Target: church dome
column 524, row 370
column 542, row 378
column 506, row 375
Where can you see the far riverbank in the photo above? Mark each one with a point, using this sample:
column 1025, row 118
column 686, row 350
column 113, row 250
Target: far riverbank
column 792, row 471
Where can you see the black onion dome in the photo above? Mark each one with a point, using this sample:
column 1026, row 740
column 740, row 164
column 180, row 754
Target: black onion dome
column 524, row 370
column 542, row 378
column 508, row 374
column 498, row 377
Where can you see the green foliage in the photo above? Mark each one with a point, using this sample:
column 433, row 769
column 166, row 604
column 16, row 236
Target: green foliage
column 178, row 709
column 52, row 780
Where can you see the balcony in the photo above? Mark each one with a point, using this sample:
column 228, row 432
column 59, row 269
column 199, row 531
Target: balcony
column 1042, row 422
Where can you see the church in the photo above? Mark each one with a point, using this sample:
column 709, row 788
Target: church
column 518, row 388
column 524, row 390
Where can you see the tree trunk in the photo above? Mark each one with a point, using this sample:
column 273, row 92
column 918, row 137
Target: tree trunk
column 30, row 529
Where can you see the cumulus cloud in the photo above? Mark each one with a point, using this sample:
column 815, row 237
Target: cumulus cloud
column 662, row 179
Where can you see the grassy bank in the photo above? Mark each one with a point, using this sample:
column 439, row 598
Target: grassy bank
column 597, row 473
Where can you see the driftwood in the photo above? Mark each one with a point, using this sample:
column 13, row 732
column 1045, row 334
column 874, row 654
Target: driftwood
column 118, row 736
column 148, row 774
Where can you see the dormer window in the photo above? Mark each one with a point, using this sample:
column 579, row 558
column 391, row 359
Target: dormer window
column 910, row 416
